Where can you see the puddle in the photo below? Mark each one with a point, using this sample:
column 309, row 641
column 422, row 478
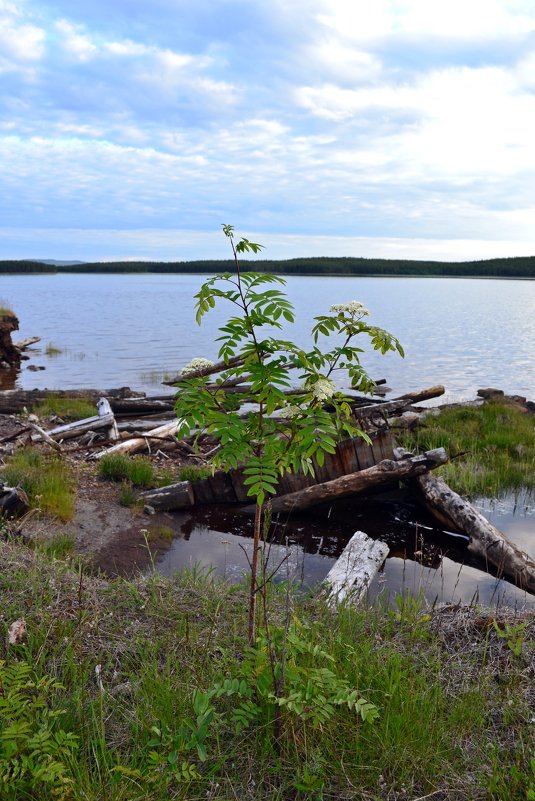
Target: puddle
column 422, row 558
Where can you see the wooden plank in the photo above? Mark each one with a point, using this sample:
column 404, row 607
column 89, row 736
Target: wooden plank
column 364, row 454
column 358, row 563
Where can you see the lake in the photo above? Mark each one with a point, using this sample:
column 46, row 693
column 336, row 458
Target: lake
column 119, row 330
column 130, row 330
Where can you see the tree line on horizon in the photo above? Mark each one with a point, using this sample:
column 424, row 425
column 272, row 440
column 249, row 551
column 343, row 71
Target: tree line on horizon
column 513, row 267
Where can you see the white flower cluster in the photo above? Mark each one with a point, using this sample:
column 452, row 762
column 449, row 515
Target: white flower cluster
column 354, row 308
column 196, row 364
column 323, row 389
column 291, row 411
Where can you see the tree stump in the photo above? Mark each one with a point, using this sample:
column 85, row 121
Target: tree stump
column 9, row 355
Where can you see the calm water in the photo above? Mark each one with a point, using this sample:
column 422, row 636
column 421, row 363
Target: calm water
column 123, row 330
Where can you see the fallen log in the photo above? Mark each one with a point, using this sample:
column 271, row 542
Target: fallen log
column 212, row 369
column 104, row 419
column 138, row 443
column 142, row 405
column 397, row 405
column 487, row 543
column 382, row 473
column 352, row 573
column 15, row 400
column 174, row 496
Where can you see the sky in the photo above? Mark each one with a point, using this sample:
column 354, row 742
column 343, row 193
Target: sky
column 386, row 128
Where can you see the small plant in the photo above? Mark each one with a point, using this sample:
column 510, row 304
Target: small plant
column 127, row 495
column 52, row 350
column 35, row 752
column 513, row 635
column 5, row 309
column 58, row 546
column 194, row 472
column 48, row 481
column 117, row 467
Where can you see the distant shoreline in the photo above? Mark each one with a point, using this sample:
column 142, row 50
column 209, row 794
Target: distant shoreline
column 515, row 267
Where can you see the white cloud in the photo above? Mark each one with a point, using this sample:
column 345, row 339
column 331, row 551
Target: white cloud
column 74, row 42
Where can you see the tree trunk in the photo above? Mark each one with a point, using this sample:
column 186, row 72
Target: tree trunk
column 487, row 543
column 138, row 443
column 362, row 481
column 15, row 400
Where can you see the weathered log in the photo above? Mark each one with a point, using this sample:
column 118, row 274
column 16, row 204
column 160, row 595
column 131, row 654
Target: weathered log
column 487, row 543
column 174, row 496
column 138, row 443
column 22, row 344
column 15, row 400
column 13, row 501
column 399, row 404
column 218, row 367
column 40, row 433
column 79, row 427
column 142, row 405
column 383, row 473
column 353, row 571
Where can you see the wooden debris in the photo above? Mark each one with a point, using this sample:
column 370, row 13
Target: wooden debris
column 218, row 367
column 22, row 344
column 174, row 496
column 398, row 405
column 135, row 444
column 104, row 419
column 385, row 472
column 487, row 543
column 352, row 573
column 16, row 400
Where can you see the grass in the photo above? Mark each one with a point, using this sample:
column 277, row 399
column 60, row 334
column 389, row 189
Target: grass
column 194, row 472
column 138, row 470
column 495, row 445
column 66, row 408
column 48, row 481
column 52, row 350
column 5, row 309
column 447, row 726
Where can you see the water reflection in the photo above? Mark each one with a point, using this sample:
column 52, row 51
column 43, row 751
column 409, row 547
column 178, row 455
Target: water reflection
column 422, row 557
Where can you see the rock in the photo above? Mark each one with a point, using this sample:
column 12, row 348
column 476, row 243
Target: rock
column 490, row 393
column 149, row 510
column 13, row 502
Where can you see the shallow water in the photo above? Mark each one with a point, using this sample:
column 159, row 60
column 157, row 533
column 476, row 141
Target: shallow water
column 422, row 558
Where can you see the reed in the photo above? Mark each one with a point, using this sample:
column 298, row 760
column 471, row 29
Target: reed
column 48, row 481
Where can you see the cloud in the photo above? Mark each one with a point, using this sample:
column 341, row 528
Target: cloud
column 400, row 118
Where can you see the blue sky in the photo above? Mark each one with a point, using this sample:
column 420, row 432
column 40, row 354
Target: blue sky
column 391, row 128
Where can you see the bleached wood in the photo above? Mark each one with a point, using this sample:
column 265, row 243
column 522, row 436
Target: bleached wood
column 79, row 427
column 355, row 568
column 138, row 443
column 487, row 543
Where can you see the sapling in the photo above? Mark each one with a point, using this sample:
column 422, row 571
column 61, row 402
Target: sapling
column 283, row 433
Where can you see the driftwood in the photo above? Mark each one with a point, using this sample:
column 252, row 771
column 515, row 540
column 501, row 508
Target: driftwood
column 104, row 419
column 353, row 571
column 382, row 473
column 22, row 344
column 40, row 433
column 15, row 400
column 142, row 405
column 218, row 367
column 398, row 405
column 174, row 496
column 487, row 543
column 138, row 443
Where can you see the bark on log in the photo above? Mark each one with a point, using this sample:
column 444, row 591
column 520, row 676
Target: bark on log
column 79, row 427
column 138, row 443
column 15, row 400
column 386, row 471
column 142, row 405
column 399, row 404
column 353, row 571
column 487, row 543
column 174, row 496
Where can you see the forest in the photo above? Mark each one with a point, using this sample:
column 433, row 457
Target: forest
column 517, row 267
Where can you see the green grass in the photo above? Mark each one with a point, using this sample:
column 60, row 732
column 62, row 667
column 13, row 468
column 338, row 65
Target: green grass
column 446, row 725
column 495, row 443
column 194, row 472
column 48, row 481
column 5, row 309
column 135, row 469
column 66, row 408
